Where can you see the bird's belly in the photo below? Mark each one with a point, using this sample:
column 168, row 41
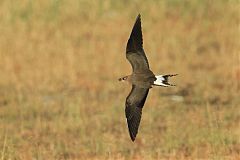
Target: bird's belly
column 143, row 83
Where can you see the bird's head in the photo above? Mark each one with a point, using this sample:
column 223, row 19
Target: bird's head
column 122, row 79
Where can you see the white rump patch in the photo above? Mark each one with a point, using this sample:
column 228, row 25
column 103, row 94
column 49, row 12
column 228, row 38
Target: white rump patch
column 160, row 81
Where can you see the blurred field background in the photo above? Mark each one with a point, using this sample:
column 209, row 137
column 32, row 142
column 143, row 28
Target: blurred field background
column 59, row 65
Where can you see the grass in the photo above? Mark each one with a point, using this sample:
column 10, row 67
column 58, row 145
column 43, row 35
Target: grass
column 59, row 65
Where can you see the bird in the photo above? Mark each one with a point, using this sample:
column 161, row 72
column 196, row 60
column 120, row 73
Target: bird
column 142, row 79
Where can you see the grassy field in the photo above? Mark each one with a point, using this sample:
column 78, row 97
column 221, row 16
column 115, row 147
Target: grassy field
column 59, row 65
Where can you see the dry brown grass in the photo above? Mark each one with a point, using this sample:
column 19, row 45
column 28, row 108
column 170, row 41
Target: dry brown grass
column 59, row 94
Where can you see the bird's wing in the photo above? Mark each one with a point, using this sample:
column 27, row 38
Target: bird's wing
column 134, row 51
column 133, row 110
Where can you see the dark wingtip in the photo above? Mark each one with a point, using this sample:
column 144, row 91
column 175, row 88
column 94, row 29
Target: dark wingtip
column 139, row 15
column 135, row 41
column 138, row 18
column 132, row 137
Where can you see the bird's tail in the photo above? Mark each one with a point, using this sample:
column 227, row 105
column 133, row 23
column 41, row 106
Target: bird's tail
column 162, row 80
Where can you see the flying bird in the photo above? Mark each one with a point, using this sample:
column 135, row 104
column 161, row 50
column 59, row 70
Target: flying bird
column 142, row 79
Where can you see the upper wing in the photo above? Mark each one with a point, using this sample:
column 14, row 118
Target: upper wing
column 133, row 110
column 134, row 51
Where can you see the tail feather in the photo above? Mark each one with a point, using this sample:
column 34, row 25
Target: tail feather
column 162, row 80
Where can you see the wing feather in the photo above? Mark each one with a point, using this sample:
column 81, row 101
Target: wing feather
column 134, row 104
column 134, row 51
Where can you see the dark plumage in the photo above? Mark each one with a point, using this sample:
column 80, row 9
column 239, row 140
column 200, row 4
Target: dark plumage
column 133, row 110
column 142, row 79
column 137, row 97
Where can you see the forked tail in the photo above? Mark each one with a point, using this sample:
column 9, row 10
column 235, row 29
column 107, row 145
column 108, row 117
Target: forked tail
column 162, row 80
